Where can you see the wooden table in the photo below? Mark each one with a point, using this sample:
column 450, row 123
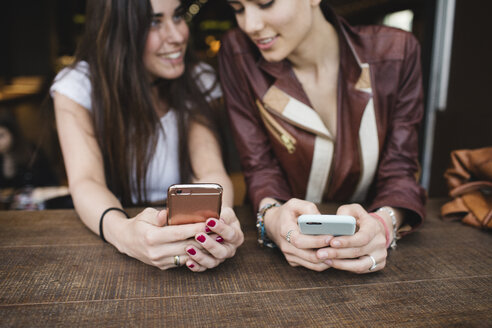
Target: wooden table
column 55, row 272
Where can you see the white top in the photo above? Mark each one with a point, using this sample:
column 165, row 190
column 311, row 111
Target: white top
column 163, row 169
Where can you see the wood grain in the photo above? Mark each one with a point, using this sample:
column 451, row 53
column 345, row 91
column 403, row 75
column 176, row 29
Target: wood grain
column 55, row 271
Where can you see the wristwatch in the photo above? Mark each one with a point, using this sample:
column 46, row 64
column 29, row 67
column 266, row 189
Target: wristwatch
column 263, row 240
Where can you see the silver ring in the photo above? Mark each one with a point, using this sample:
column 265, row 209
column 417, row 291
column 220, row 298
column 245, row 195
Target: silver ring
column 287, row 236
column 374, row 264
column 177, row 260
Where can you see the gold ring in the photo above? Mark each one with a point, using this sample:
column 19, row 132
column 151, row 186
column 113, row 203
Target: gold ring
column 177, row 261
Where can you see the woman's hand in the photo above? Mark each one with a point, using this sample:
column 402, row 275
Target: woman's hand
column 223, row 238
column 353, row 253
column 300, row 250
column 146, row 238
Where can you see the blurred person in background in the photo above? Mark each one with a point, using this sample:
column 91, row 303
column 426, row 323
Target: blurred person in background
column 22, row 165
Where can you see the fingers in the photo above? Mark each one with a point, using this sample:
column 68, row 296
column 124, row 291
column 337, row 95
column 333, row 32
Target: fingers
column 224, row 238
column 166, row 234
column 201, row 259
column 231, row 233
column 170, row 262
column 228, row 216
column 351, row 209
column 307, row 255
column 194, row 266
column 351, row 253
column 369, row 228
column 299, row 206
column 299, row 261
column 174, row 233
column 162, row 256
column 282, row 221
column 301, row 241
column 360, row 265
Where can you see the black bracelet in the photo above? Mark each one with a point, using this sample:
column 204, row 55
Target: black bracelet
column 101, row 233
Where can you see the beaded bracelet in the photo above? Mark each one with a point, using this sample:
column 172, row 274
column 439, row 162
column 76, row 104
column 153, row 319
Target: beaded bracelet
column 101, row 233
column 260, row 225
column 393, row 220
column 386, row 230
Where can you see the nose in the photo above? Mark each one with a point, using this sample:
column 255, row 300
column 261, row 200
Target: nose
column 252, row 21
column 173, row 33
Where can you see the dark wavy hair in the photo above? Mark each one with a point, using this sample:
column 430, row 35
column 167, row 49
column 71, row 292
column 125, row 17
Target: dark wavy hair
column 123, row 113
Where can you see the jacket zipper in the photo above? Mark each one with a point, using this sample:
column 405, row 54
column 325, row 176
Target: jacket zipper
column 284, row 137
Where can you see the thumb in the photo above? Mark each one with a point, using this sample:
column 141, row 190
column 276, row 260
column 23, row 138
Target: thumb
column 355, row 210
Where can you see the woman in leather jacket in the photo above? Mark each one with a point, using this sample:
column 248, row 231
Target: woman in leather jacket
column 323, row 111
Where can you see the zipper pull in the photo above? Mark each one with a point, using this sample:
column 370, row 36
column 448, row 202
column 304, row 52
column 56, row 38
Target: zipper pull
column 288, row 143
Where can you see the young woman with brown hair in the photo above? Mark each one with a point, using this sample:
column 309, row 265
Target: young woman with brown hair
column 135, row 115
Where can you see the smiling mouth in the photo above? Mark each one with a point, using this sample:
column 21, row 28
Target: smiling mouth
column 173, row 55
column 265, row 41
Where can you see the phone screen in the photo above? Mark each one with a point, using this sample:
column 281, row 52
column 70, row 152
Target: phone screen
column 192, row 203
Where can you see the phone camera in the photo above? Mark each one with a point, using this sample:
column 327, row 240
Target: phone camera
column 179, row 191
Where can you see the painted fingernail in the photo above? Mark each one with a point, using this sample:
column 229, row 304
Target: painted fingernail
column 336, row 243
column 191, row 266
column 329, row 262
column 201, row 238
column 328, row 239
column 322, row 254
column 211, row 223
column 191, row 251
column 207, row 229
column 219, row 239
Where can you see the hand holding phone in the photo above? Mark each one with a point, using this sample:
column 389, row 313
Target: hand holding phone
column 193, row 203
column 324, row 224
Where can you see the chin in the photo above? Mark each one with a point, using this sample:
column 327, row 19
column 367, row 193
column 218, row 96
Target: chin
column 273, row 56
column 172, row 73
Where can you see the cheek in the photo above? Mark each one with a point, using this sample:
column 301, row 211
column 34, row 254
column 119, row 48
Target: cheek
column 152, row 44
column 185, row 32
column 240, row 21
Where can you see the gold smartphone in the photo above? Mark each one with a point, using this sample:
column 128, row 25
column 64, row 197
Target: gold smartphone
column 194, row 202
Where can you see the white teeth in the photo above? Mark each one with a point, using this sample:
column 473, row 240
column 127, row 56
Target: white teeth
column 265, row 41
column 174, row 55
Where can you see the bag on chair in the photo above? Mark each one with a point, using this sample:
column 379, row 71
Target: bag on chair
column 469, row 181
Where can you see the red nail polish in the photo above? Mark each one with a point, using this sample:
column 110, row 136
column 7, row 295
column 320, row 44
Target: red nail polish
column 207, row 229
column 201, row 238
column 191, row 266
column 211, row 223
column 191, row 251
column 219, row 239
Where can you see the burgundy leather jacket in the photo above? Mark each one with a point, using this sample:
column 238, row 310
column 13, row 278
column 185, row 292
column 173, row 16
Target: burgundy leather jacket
column 379, row 70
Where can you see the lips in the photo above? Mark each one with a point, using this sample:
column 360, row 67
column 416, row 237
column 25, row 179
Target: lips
column 173, row 55
column 265, row 43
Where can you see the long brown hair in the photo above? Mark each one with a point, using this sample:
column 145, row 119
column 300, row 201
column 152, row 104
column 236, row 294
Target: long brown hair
column 124, row 117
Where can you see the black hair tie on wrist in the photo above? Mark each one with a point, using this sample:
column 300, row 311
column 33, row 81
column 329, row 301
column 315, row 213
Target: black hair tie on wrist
column 101, row 233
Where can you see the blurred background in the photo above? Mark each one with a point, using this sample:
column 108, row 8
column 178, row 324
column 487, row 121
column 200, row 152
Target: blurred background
column 38, row 38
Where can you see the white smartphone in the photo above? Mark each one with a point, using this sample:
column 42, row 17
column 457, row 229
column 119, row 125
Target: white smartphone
column 324, row 224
